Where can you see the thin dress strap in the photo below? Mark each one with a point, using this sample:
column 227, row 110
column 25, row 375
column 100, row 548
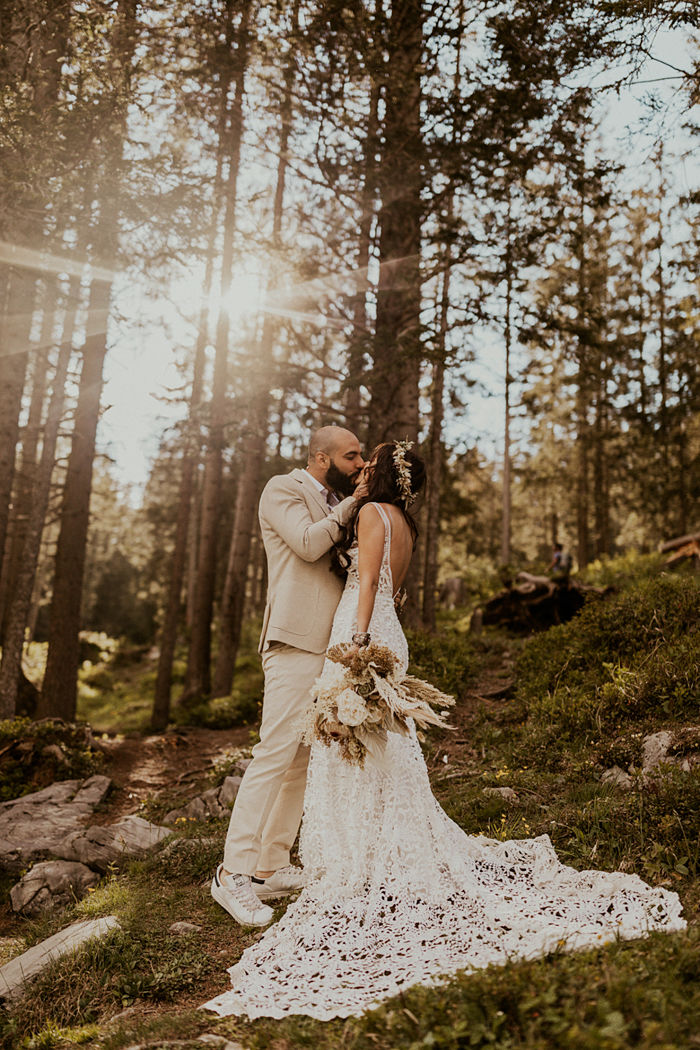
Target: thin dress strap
column 387, row 523
column 386, row 560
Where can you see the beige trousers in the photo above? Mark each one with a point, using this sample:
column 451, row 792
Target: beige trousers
column 269, row 804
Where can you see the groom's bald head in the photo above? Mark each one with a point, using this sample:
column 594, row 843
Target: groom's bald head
column 328, row 439
column 335, row 458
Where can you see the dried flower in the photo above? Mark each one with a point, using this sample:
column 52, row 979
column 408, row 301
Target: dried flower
column 403, row 471
column 360, row 697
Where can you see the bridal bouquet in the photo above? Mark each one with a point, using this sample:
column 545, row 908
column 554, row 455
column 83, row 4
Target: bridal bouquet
column 360, row 697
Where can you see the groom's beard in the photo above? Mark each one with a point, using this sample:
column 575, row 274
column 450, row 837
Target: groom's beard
column 342, row 484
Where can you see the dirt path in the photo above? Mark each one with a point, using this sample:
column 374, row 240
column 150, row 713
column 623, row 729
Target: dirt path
column 144, row 768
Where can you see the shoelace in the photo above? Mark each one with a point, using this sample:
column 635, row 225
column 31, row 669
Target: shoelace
column 241, row 888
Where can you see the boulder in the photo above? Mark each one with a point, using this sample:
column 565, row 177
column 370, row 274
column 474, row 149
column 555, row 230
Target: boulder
column 32, row 827
column 229, row 790
column 672, row 749
column 51, row 884
column 617, row 777
column 215, row 802
column 99, row 847
column 655, row 749
column 15, row 974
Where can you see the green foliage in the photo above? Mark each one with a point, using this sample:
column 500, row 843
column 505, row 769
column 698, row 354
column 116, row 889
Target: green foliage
column 33, row 754
column 622, row 571
column 631, row 655
column 223, row 712
column 446, row 659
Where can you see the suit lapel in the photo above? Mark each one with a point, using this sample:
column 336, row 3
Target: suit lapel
column 316, row 496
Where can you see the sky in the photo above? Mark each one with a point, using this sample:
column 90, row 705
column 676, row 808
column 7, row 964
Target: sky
column 142, row 366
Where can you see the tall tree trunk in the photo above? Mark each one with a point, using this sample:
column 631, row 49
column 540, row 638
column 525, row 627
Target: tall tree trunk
column 160, row 714
column 435, row 454
column 26, row 480
column 60, row 681
column 361, row 343
column 601, row 494
column 508, row 334
column 234, row 593
column 20, row 605
column 198, row 682
column 14, row 352
column 582, row 383
column 397, row 350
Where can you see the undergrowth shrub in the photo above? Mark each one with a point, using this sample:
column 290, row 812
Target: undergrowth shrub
column 34, row 754
column 635, row 654
column 446, row 660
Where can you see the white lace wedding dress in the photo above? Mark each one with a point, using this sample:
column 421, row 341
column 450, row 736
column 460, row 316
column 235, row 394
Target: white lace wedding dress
column 397, row 894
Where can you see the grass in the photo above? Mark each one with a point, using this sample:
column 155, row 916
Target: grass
column 550, row 745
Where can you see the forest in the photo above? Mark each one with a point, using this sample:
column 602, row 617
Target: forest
column 472, row 225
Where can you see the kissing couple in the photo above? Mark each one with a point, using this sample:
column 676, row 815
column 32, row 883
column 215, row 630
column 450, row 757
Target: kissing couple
column 393, row 892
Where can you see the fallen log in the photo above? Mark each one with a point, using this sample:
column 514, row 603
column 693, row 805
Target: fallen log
column 680, row 541
column 534, row 603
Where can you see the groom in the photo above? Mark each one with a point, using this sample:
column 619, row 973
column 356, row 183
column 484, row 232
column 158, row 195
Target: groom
column 301, row 515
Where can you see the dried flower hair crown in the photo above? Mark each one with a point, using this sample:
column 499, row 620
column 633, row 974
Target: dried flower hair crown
column 403, row 471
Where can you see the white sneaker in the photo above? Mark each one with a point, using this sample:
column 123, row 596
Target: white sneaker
column 284, row 880
column 235, row 895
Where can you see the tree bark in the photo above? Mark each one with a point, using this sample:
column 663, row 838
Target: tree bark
column 26, row 479
column 198, row 681
column 361, row 342
column 435, row 454
column 14, row 354
column 397, row 345
column 508, row 336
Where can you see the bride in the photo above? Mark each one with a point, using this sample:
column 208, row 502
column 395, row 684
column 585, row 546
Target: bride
column 396, row 893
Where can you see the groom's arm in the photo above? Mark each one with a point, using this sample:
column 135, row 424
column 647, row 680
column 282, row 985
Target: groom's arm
column 284, row 510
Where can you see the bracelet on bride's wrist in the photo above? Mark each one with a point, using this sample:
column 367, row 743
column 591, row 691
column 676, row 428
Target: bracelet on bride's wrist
column 361, row 638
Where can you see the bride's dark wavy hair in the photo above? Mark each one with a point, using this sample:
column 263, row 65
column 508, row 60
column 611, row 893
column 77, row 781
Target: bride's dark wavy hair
column 383, row 486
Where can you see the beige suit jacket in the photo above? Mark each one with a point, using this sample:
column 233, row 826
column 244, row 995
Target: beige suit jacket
column 298, row 533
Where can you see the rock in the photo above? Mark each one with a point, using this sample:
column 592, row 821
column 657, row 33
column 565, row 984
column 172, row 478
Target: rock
column 51, row 884
column 54, row 751
column 101, row 846
column 617, row 778
column 32, row 827
column 505, row 792
column 210, row 799
column 212, row 803
column 229, row 790
column 15, row 974
column 210, row 1039
column 243, row 763
column 183, row 928
column 655, row 750
column 92, row 792
column 194, row 810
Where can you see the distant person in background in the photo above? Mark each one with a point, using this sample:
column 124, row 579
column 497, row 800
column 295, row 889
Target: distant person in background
column 559, row 568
